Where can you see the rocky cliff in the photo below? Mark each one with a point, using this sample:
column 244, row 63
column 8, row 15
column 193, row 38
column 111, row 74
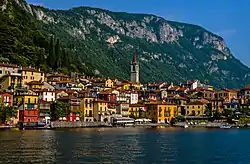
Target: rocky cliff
column 166, row 50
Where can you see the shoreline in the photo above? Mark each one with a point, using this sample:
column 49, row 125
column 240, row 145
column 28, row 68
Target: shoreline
column 134, row 126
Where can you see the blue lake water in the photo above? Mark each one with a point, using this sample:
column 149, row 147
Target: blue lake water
column 126, row 145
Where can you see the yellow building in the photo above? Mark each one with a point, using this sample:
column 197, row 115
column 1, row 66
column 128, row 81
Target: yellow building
column 31, row 74
column 161, row 112
column 137, row 110
column 196, row 108
column 86, row 109
column 26, row 100
column 100, row 110
column 35, row 85
column 109, row 83
column 11, row 81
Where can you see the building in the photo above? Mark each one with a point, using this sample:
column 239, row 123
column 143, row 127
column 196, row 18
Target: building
column 195, row 108
column 137, row 111
column 29, row 115
column 111, row 98
column 47, row 95
column 68, row 85
column 109, row 83
column 44, row 111
column 161, row 112
column 30, row 74
column 100, row 110
column 227, row 94
column 122, row 108
column 134, row 70
column 57, row 77
column 133, row 98
column 87, row 109
column 6, row 69
column 72, row 108
column 26, row 100
column 35, row 85
column 11, row 81
column 6, row 98
column 27, row 104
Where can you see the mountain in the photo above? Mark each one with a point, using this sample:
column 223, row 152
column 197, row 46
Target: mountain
column 103, row 42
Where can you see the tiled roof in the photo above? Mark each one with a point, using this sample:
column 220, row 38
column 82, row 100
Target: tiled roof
column 101, row 101
column 196, row 103
column 8, row 65
column 35, row 83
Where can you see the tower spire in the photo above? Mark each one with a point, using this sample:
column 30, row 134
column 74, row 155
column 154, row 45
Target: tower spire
column 134, row 57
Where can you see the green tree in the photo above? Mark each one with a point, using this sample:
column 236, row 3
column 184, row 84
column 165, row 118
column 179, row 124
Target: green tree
column 58, row 54
column 217, row 115
column 60, row 109
column 6, row 112
column 51, row 60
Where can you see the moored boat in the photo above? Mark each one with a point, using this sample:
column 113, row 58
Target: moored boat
column 225, row 126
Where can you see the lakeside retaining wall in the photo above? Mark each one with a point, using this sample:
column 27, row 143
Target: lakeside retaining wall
column 79, row 124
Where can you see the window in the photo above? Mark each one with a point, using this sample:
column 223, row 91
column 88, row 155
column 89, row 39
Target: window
column 25, row 72
column 187, row 112
column 32, row 73
column 193, row 107
column 28, row 100
column 35, row 100
column 199, row 112
column 46, row 93
column 1, row 71
column 199, row 107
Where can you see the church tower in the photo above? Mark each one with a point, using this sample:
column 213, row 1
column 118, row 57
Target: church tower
column 134, row 69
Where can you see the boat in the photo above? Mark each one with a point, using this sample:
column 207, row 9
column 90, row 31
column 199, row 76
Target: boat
column 225, row 126
column 185, row 126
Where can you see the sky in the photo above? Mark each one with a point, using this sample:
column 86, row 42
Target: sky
column 227, row 18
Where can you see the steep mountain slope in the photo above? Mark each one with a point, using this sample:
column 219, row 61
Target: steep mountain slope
column 167, row 51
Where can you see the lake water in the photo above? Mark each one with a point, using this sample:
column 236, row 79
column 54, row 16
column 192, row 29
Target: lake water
column 126, row 145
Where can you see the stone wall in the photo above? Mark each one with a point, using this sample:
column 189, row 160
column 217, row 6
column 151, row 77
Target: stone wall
column 62, row 124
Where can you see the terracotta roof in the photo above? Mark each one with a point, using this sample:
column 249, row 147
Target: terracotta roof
column 173, row 88
column 35, row 83
column 137, row 105
column 196, row 103
column 67, row 98
column 30, row 69
column 58, row 75
column 160, row 103
column 155, row 85
column 70, row 91
column 101, row 101
column 43, row 90
column 8, row 65
column 1, row 93
column 65, row 82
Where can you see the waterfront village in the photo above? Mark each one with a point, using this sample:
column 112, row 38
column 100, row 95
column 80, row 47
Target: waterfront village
column 39, row 98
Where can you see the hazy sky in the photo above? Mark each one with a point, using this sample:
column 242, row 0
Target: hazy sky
column 227, row 18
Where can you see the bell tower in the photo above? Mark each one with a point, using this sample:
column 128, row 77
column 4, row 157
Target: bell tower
column 134, row 69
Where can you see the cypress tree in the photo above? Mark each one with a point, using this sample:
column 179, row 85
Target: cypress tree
column 58, row 54
column 51, row 60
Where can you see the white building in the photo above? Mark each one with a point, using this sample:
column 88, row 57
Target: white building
column 47, row 95
column 134, row 98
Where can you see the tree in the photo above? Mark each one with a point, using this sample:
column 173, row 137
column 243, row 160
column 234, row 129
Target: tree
column 51, row 58
column 60, row 109
column 217, row 115
column 6, row 112
column 58, row 54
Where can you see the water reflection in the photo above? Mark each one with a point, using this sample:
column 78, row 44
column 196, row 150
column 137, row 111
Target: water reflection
column 135, row 145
